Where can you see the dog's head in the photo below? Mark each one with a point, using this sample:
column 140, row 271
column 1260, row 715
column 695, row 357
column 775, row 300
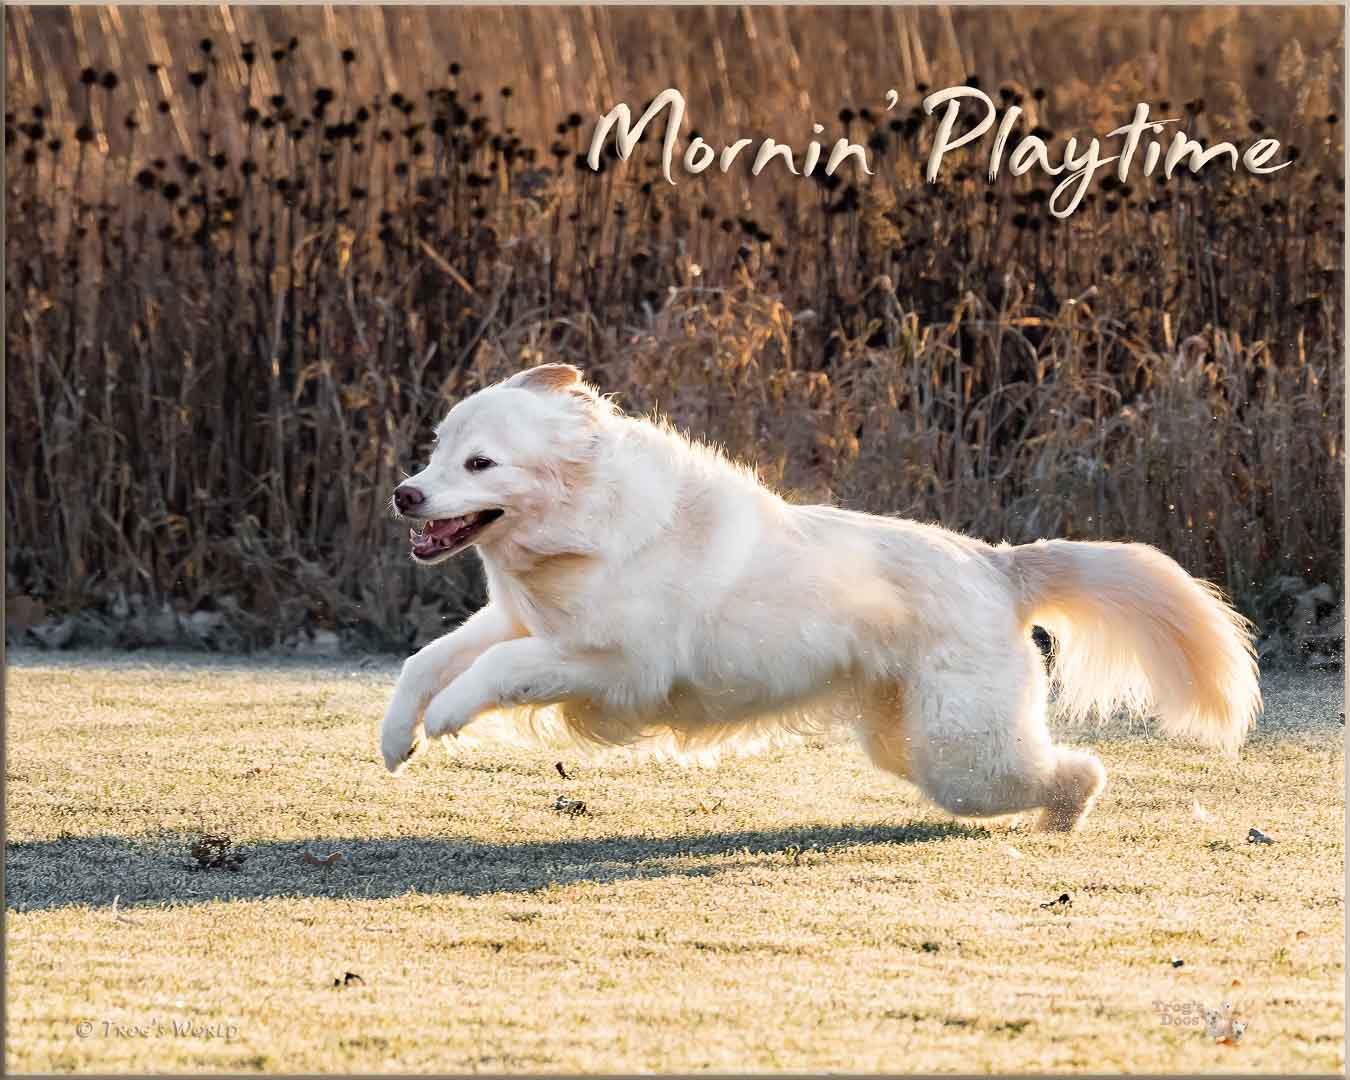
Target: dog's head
column 503, row 459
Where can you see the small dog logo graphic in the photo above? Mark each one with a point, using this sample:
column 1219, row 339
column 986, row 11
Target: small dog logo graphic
column 1224, row 1025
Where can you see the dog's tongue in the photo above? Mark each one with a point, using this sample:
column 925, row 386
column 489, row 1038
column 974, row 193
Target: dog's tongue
column 438, row 535
column 438, row 530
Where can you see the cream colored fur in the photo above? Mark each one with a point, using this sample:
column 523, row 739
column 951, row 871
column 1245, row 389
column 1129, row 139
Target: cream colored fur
column 644, row 588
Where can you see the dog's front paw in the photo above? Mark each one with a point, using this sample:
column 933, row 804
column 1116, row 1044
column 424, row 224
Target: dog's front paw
column 398, row 744
column 444, row 715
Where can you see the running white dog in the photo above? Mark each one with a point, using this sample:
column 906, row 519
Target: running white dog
column 642, row 586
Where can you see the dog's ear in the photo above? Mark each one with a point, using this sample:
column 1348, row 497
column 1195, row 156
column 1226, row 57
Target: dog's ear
column 549, row 377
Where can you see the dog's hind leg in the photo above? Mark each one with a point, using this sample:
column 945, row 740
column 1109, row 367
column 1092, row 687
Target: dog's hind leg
column 884, row 729
column 977, row 744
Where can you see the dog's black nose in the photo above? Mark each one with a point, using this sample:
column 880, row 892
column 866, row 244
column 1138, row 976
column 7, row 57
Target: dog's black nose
column 408, row 498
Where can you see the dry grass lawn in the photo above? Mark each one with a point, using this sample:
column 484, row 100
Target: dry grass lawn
column 792, row 912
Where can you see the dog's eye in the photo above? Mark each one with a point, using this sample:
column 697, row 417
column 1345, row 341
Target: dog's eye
column 478, row 463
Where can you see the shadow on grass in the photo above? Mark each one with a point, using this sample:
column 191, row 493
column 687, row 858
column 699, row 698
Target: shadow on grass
column 92, row 870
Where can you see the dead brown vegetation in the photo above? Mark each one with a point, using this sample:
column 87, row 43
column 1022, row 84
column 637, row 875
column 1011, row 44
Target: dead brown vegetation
column 245, row 270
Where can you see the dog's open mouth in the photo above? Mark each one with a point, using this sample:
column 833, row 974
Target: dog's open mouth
column 447, row 535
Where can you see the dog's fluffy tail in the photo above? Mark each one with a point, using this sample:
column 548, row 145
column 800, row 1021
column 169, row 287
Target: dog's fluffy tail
column 1132, row 628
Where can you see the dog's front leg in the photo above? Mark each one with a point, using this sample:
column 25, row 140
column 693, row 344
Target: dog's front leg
column 432, row 668
column 527, row 671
